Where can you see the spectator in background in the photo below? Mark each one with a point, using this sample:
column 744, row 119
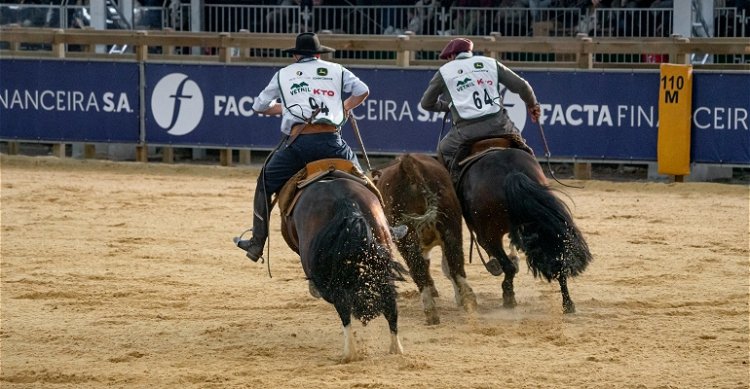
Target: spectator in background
column 535, row 5
column 473, row 21
column 423, row 16
column 278, row 19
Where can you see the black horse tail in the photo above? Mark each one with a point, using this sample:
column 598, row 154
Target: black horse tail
column 350, row 267
column 541, row 226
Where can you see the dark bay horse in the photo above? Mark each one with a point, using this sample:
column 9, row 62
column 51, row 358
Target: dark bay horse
column 504, row 191
column 341, row 234
column 417, row 192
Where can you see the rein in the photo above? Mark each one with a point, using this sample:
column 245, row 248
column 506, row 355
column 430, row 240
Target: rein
column 547, row 155
column 353, row 122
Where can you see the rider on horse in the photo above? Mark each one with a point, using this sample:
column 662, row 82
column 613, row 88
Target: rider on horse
column 469, row 87
column 310, row 124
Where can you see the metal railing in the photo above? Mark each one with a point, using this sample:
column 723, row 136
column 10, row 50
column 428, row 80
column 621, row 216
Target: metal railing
column 399, row 20
column 376, row 20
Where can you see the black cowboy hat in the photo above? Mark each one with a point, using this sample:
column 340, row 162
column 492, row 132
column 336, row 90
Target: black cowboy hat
column 308, row 44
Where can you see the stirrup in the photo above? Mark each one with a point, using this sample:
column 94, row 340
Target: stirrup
column 253, row 256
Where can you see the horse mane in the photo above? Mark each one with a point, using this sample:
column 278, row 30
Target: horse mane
column 350, row 266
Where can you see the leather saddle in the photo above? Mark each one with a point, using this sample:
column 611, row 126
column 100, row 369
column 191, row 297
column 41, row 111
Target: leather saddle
column 316, row 171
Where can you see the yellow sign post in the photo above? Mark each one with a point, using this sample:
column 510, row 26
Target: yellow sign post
column 675, row 115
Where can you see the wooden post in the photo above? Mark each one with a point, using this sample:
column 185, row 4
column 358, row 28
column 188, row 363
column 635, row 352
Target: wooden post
column 582, row 170
column 167, row 154
column 141, row 49
column 412, row 54
column 676, row 55
column 402, row 56
column 584, row 57
column 167, row 49
column 493, row 37
column 141, row 153
column 89, row 151
column 14, row 148
column 58, row 48
column 58, row 150
column 245, row 52
column 225, row 157
column 245, row 157
column 225, row 52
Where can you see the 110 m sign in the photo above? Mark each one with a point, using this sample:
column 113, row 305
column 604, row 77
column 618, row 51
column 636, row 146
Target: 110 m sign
column 675, row 111
column 672, row 86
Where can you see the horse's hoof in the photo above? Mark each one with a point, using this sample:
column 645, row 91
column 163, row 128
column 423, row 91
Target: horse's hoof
column 432, row 318
column 434, row 291
column 509, row 302
column 313, row 290
column 569, row 308
column 470, row 305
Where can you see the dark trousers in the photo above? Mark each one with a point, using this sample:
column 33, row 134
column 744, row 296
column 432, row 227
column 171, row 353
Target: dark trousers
column 286, row 161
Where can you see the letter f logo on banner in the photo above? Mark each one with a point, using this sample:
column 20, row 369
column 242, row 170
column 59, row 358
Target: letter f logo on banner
column 177, row 104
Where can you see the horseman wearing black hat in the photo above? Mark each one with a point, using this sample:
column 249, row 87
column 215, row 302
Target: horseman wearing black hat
column 469, row 87
column 313, row 108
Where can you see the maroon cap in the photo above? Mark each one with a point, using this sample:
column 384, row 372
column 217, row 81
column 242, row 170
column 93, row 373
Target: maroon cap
column 455, row 46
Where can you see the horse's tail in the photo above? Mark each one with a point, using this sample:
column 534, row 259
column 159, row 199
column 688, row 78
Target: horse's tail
column 350, row 266
column 541, row 226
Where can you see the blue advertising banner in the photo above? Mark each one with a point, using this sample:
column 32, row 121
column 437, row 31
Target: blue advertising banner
column 587, row 115
column 721, row 124
column 73, row 101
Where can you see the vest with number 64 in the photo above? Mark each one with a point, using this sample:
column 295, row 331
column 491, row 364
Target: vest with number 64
column 473, row 86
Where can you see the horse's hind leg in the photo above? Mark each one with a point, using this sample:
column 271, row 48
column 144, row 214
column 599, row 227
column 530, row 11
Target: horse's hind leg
column 419, row 269
column 509, row 265
column 568, row 305
column 510, row 269
column 350, row 346
column 390, row 311
column 453, row 268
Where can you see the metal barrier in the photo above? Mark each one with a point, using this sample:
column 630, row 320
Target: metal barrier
column 398, row 21
column 378, row 20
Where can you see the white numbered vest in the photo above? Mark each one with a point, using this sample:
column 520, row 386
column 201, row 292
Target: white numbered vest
column 312, row 85
column 473, row 86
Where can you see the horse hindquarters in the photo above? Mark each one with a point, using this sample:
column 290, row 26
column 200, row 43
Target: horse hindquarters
column 418, row 193
column 541, row 226
column 354, row 271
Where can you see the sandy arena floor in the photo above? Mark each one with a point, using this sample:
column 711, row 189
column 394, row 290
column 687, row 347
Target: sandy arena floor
column 124, row 275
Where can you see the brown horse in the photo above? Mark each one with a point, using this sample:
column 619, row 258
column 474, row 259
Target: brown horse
column 338, row 228
column 504, row 191
column 417, row 192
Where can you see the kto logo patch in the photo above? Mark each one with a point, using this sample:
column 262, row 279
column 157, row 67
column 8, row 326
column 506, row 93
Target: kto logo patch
column 177, row 104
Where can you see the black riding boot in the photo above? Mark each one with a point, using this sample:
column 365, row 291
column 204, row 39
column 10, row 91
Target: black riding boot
column 254, row 245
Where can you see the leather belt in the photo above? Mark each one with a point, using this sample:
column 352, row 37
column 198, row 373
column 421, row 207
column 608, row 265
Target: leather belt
column 309, row 128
